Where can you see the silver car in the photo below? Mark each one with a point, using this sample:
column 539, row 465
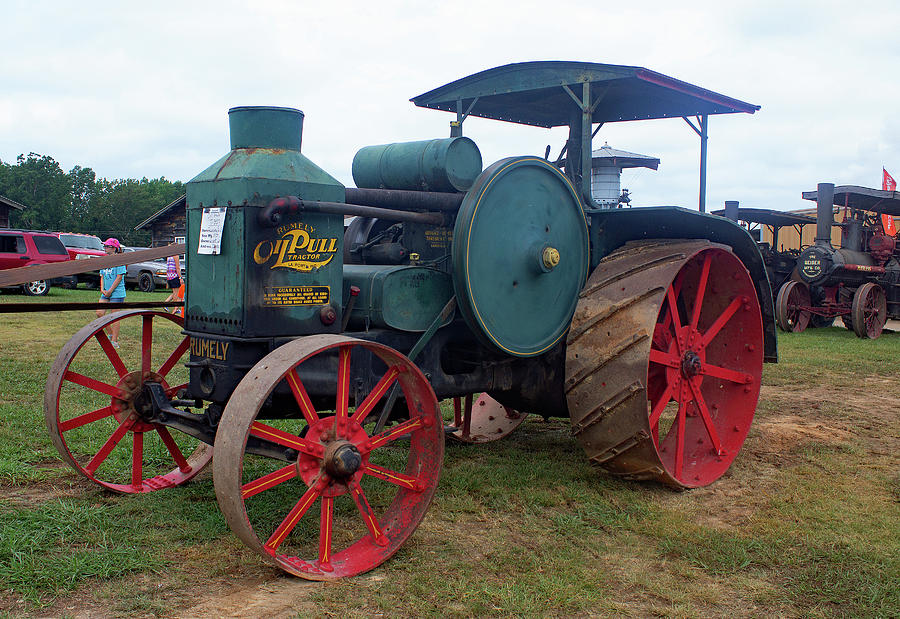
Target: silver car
column 146, row 276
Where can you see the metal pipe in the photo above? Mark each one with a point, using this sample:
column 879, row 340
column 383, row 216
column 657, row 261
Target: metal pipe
column 404, row 199
column 824, row 213
column 731, row 209
column 272, row 214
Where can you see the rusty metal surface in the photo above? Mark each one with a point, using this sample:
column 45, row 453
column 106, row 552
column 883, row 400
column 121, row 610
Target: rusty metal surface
column 242, row 410
column 22, row 275
column 609, row 346
column 484, row 420
column 57, row 377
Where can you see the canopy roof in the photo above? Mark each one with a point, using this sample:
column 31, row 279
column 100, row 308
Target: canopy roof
column 863, row 198
column 769, row 217
column 607, row 155
column 534, row 93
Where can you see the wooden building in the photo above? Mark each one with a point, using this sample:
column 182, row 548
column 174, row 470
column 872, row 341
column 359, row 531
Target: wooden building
column 6, row 205
column 166, row 225
column 789, row 236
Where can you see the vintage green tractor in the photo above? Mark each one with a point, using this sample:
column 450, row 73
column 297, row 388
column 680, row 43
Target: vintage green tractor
column 312, row 358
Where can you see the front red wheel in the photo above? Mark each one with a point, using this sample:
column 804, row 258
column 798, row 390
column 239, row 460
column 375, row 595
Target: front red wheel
column 89, row 403
column 323, row 495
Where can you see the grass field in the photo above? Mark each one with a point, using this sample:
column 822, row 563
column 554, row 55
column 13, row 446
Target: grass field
column 806, row 523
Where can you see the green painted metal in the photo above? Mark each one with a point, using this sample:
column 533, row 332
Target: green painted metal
column 510, row 293
column 266, row 281
column 450, row 164
column 406, row 298
column 535, row 93
column 612, row 228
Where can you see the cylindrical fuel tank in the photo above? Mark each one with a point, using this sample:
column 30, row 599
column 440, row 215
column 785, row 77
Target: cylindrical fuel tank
column 821, row 265
column 450, row 164
column 262, row 281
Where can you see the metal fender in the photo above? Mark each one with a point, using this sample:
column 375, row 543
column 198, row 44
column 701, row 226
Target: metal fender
column 612, row 228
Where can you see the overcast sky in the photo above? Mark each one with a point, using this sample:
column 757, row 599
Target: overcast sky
column 143, row 89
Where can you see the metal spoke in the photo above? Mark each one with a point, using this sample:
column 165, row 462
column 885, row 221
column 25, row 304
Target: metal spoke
column 342, row 402
column 302, row 398
column 174, row 451
column 377, row 393
column 726, row 374
column 657, row 411
column 92, row 383
column 720, row 322
column 82, row 420
column 707, row 420
column 701, row 290
column 146, row 342
column 110, row 443
column 111, row 353
column 394, row 433
column 287, row 525
column 174, row 357
column 286, row 439
column 679, row 436
column 326, row 524
column 365, row 510
column 137, row 460
column 393, row 477
column 664, row 358
column 269, row 481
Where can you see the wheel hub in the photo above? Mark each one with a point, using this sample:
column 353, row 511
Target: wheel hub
column 691, row 364
column 132, row 402
column 342, row 459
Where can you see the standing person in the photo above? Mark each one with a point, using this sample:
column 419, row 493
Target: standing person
column 112, row 287
column 173, row 276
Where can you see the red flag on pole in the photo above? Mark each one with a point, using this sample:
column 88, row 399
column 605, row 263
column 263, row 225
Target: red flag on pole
column 888, row 184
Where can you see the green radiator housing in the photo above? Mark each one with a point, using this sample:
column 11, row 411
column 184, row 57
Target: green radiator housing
column 267, row 280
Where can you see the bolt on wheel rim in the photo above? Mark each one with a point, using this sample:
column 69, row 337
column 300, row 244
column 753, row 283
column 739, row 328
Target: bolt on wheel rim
column 90, row 396
column 346, row 499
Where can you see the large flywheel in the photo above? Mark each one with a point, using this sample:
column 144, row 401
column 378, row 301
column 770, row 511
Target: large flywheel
column 664, row 361
column 520, row 256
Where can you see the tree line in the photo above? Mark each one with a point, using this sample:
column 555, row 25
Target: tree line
column 77, row 201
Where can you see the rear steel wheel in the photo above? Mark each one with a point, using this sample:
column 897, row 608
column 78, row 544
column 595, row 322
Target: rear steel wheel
column 869, row 311
column 664, row 361
column 89, row 404
column 372, row 489
column 789, row 307
column 484, row 420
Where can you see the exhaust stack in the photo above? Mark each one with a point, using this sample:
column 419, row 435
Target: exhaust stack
column 824, row 213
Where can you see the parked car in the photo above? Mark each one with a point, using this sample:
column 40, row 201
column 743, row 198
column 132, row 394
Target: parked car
column 147, row 276
column 19, row 248
column 81, row 246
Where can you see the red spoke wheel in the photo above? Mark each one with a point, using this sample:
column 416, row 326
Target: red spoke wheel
column 790, row 304
column 868, row 312
column 372, row 490
column 483, row 420
column 664, row 362
column 89, row 403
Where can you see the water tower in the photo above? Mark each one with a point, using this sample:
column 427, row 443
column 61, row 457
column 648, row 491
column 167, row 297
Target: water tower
column 607, row 164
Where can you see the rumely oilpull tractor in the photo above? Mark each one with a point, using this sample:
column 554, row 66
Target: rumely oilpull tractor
column 316, row 358
column 860, row 280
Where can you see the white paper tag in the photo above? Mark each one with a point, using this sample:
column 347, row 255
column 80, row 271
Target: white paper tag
column 211, row 224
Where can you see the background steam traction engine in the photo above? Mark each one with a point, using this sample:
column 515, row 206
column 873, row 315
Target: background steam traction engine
column 860, row 280
column 328, row 441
